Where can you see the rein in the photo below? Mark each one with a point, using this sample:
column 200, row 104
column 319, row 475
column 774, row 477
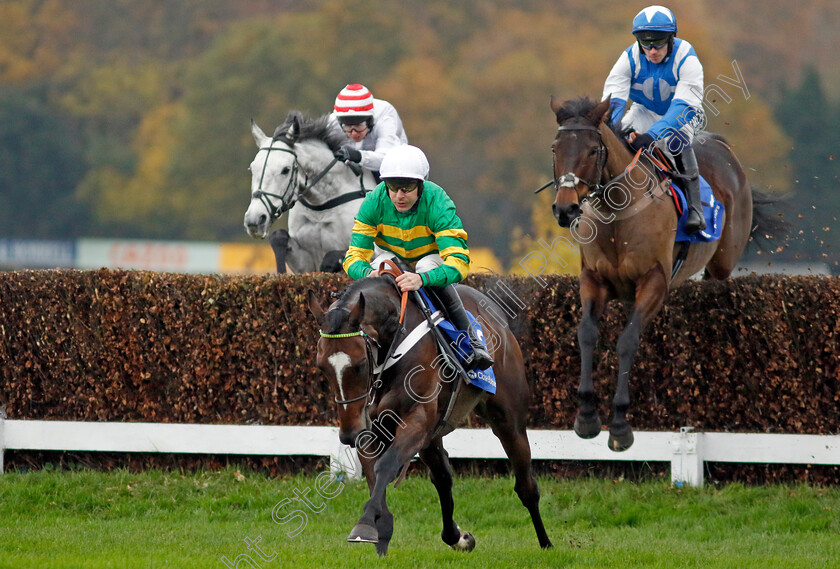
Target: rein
column 288, row 198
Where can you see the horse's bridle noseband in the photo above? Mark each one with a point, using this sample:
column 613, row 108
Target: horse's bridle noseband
column 374, row 378
column 570, row 179
column 371, row 354
column 289, row 196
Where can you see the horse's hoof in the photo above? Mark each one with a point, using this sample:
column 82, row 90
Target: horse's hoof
column 466, row 543
column 587, row 428
column 621, row 442
column 382, row 548
column 363, row 533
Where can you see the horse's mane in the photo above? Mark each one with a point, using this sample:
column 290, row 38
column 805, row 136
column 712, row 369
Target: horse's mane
column 335, row 318
column 575, row 108
column 317, row 128
column 580, row 108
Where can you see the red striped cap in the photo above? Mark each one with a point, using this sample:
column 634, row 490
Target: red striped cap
column 354, row 100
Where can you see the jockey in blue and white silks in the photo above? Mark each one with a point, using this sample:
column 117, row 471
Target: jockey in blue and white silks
column 663, row 78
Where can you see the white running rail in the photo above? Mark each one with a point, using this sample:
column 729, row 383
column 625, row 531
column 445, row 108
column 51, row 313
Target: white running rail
column 686, row 450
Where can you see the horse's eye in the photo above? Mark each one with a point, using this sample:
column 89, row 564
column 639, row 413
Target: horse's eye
column 285, row 171
column 593, row 152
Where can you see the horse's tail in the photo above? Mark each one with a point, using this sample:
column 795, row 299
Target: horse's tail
column 769, row 224
column 705, row 135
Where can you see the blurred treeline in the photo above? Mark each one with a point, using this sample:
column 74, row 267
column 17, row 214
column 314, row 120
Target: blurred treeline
column 130, row 118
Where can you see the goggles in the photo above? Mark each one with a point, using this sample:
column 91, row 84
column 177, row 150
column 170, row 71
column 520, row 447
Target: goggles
column 654, row 44
column 354, row 128
column 404, row 186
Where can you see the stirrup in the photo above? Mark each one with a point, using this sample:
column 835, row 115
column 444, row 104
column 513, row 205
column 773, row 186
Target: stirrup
column 694, row 227
column 480, row 358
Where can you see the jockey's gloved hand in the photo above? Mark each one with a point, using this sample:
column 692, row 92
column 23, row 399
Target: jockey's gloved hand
column 348, row 154
column 644, row 140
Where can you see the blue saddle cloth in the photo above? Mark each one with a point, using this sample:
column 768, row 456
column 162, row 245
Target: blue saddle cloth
column 712, row 212
column 460, row 343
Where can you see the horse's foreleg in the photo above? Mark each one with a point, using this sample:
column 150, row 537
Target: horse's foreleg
column 279, row 241
column 650, row 295
column 300, row 259
column 440, row 471
column 593, row 295
column 385, row 521
column 386, row 468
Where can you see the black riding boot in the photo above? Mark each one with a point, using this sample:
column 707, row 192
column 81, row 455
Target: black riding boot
column 453, row 306
column 687, row 164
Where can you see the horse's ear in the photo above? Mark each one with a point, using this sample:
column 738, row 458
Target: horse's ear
column 259, row 136
column 358, row 311
column 315, row 306
column 555, row 105
column 601, row 111
column 294, row 130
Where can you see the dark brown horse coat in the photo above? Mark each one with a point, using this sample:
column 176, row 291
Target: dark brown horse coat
column 389, row 423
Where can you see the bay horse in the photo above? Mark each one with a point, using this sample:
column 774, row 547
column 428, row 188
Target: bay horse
column 296, row 166
column 416, row 401
column 625, row 224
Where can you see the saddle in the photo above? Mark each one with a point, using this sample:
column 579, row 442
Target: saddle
column 672, row 183
column 453, row 344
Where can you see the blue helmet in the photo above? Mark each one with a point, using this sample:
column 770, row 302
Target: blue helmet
column 655, row 19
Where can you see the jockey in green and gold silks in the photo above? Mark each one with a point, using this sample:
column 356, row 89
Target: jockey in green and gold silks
column 431, row 226
column 414, row 220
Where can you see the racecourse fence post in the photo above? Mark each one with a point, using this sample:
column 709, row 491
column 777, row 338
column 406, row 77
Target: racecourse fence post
column 687, row 459
column 345, row 464
column 2, row 436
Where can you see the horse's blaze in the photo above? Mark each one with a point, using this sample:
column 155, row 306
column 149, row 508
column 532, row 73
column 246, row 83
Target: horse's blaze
column 349, row 425
column 340, row 361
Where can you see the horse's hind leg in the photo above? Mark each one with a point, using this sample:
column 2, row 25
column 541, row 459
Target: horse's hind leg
column 593, row 295
column 650, row 295
column 440, row 472
column 509, row 427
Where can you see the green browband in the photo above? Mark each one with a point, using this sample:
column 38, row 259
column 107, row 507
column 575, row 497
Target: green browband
column 346, row 335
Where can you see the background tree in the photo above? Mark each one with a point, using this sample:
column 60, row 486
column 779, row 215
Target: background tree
column 40, row 164
column 159, row 95
column 804, row 112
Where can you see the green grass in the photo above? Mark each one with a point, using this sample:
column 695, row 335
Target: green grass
column 120, row 519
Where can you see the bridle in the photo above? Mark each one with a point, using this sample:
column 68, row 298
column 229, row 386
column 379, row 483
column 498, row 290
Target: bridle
column 372, row 353
column 372, row 346
column 289, row 197
column 570, row 179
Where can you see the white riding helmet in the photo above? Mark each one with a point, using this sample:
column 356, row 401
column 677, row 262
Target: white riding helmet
column 405, row 162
